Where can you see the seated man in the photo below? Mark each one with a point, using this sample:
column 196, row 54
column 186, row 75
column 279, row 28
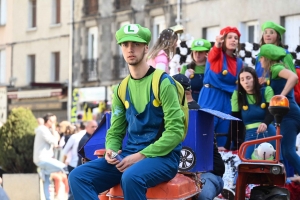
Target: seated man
column 147, row 158
column 43, row 153
column 213, row 179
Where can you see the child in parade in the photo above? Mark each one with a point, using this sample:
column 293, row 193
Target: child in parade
column 220, row 78
column 282, row 81
column 146, row 160
column 272, row 34
column 195, row 70
column 163, row 50
column 251, row 101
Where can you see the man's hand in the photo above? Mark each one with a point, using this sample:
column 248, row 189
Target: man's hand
column 108, row 158
column 129, row 160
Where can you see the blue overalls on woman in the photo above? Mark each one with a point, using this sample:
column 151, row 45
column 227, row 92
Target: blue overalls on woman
column 220, row 78
column 195, row 70
column 282, row 81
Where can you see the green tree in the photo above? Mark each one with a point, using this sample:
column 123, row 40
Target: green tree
column 16, row 142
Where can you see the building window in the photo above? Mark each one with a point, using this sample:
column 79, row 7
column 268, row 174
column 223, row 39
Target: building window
column 55, row 11
column 32, row 13
column 2, row 66
column 90, row 7
column 210, row 33
column 30, row 69
column 2, row 12
column 92, row 42
column 250, row 32
column 292, row 35
column 55, row 66
column 122, row 4
column 159, row 24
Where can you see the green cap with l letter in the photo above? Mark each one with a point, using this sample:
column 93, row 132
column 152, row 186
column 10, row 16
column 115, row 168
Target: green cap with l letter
column 201, row 45
column 272, row 52
column 133, row 33
column 272, row 25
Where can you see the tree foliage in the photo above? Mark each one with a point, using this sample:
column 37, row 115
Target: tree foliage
column 16, row 142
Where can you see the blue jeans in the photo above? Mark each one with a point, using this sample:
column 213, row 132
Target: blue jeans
column 47, row 167
column 94, row 177
column 213, row 186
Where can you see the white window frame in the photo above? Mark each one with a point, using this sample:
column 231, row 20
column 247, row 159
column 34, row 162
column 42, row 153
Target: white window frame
column 3, row 12
column 159, row 24
column 245, row 33
column 211, row 33
column 2, row 66
column 30, row 16
column 53, row 18
column 292, row 34
column 92, row 42
column 29, row 69
column 53, row 67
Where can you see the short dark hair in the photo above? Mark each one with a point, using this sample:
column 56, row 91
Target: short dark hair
column 47, row 117
column 82, row 126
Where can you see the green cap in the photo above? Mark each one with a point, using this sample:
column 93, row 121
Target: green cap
column 272, row 25
column 200, row 45
column 133, row 33
column 271, row 51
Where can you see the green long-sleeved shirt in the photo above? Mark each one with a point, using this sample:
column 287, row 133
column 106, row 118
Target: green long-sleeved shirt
column 199, row 69
column 269, row 93
column 140, row 95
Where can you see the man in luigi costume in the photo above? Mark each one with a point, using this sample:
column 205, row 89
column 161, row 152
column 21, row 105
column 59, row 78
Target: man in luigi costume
column 195, row 70
column 147, row 160
column 282, row 81
column 273, row 34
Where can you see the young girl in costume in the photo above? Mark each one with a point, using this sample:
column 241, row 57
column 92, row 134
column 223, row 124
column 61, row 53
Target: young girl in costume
column 272, row 34
column 220, row 77
column 163, row 50
column 251, row 101
column 283, row 80
column 195, row 70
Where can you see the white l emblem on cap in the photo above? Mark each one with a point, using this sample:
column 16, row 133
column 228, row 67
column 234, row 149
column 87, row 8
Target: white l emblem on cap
column 199, row 43
column 131, row 29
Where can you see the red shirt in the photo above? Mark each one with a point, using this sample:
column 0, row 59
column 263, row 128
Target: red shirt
column 297, row 87
column 215, row 57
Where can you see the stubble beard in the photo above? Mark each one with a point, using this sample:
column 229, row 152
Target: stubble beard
column 138, row 60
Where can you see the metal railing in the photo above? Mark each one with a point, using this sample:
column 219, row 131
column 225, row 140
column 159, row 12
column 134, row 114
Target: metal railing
column 90, row 70
column 120, row 69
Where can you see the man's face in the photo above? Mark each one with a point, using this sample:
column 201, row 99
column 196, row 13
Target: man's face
column 91, row 127
column 134, row 52
column 51, row 121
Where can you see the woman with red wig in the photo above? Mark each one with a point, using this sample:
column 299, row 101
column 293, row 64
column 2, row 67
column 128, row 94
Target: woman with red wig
column 220, row 78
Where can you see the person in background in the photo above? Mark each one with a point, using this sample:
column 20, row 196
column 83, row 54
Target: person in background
column 150, row 156
column 3, row 195
column 283, row 81
column 163, row 50
column 297, row 86
column 213, row 179
column 186, row 84
column 195, row 70
column 272, row 34
column 72, row 146
column 43, row 153
column 220, row 78
column 90, row 129
column 40, row 121
column 250, row 103
column 64, row 134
